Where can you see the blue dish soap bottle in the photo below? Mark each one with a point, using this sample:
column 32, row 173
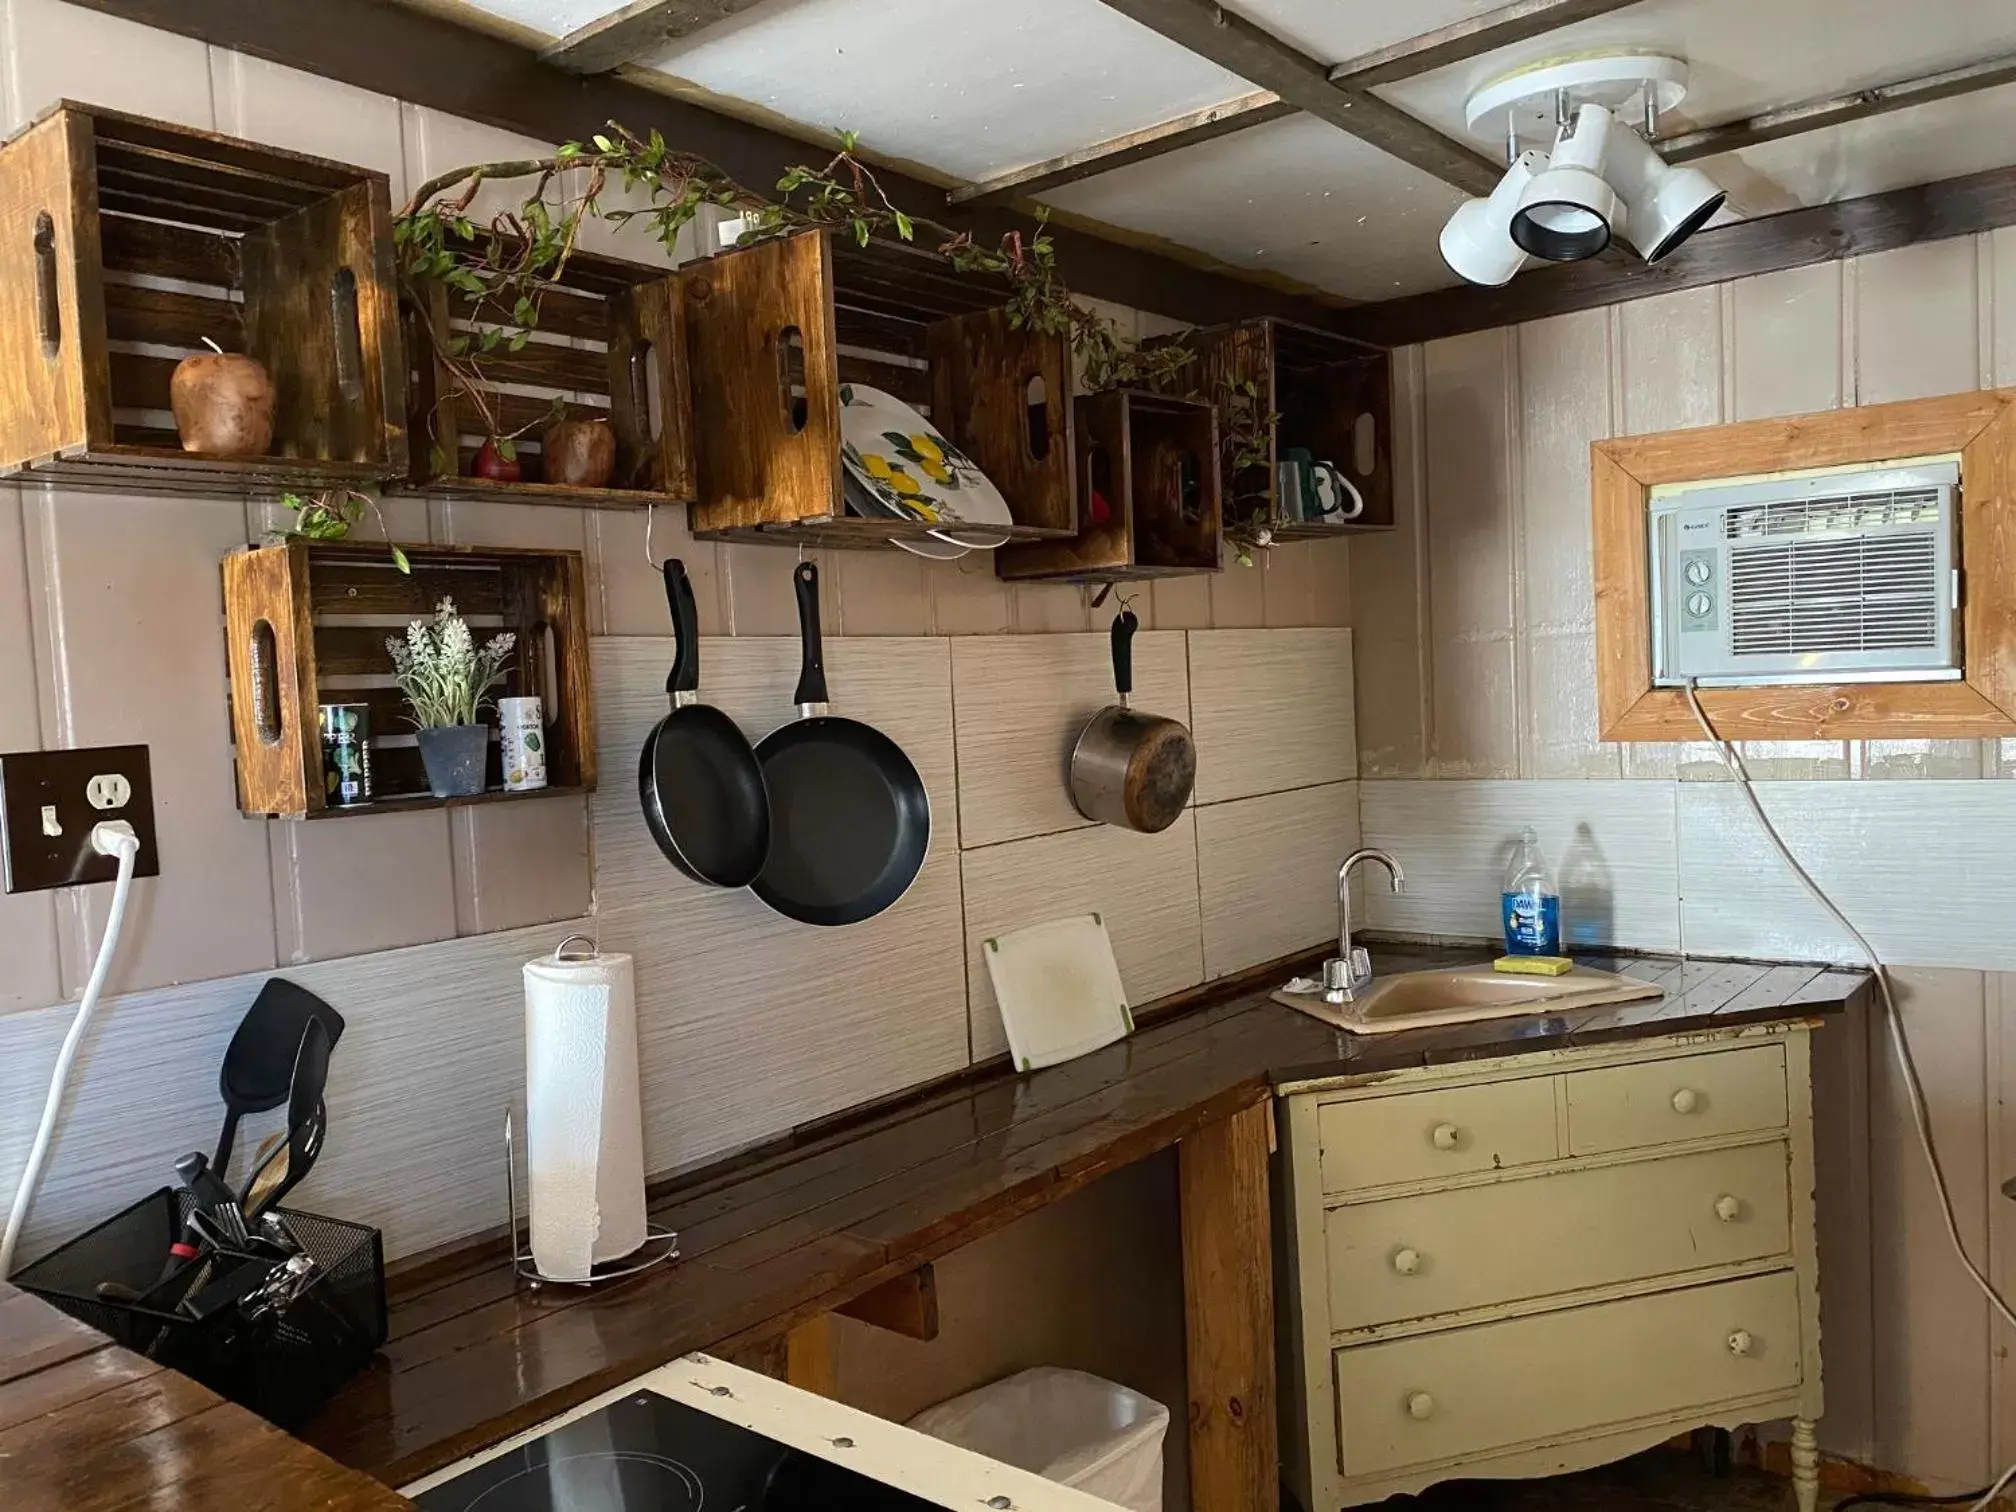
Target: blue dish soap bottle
column 1531, row 902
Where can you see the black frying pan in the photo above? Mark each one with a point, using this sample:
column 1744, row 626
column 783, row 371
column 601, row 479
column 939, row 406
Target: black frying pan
column 852, row 820
column 698, row 779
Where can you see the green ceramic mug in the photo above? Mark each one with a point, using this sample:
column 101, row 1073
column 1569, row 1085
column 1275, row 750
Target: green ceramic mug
column 1313, row 491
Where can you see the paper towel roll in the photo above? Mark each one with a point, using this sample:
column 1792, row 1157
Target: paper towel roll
column 584, row 1126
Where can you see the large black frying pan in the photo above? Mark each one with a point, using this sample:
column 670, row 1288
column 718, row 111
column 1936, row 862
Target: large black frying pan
column 698, row 779
column 851, row 820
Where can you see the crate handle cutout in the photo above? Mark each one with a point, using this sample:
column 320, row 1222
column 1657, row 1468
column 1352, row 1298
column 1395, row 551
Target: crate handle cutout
column 1365, row 445
column 48, row 310
column 791, row 378
column 1036, row 418
column 349, row 334
column 645, row 391
column 265, row 684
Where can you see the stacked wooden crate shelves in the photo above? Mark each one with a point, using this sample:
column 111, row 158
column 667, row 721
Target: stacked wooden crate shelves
column 133, row 243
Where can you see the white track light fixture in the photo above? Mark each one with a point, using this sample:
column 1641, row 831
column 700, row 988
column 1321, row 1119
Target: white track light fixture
column 1566, row 213
column 1599, row 179
column 1477, row 242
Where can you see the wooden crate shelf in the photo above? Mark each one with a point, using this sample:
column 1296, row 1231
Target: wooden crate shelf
column 1150, row 457
column 306, row 625
column 282, row 256
column 631, row 372
column 1334, row 397
column 767, row 409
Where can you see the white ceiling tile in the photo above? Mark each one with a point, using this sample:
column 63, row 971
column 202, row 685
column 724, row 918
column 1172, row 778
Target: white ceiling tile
column 969, row 87
column 1746, row 56
column 555, row 18
column 1297, row 198
column 1334, row 30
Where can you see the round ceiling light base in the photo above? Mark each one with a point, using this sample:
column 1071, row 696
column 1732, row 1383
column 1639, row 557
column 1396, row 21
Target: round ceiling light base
column 1523, row 103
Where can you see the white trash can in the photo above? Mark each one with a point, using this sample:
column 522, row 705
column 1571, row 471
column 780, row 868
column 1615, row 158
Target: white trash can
column 1066, row 1426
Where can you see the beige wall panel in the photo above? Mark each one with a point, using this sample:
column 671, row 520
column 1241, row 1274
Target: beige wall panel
column 1238, row 594
column 626, row 587
column 1021, row 702
column 362, row 883
column 1785, row 342
column 1267, row 873
column 1143, row 886
column 304, row 112
column 1388, row 602
column 1270, row 710
column 882, row 593
column 64, row 52
column 522, row 863
column 1917, row 322
column 27, row 920
column 1179, row 603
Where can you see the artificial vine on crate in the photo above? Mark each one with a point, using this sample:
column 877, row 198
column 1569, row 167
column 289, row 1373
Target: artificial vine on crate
column 1246, row 439
column 502, row 268
column 330, row 516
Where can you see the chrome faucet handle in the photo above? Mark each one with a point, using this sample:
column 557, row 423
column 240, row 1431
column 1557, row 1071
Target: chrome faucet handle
column 1344, row 975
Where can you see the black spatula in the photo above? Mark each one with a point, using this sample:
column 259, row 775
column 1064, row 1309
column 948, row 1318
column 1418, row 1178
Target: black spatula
column 258, row 1069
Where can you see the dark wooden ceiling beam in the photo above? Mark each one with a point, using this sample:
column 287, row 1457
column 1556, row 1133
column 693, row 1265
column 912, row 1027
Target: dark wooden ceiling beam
column 428, row 60
column 1263, row 59
column 1838, row 110
column 636, row 31
column 1797, row 238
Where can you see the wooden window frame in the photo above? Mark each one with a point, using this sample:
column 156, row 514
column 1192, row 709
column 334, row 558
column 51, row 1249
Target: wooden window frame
column 1981, row 427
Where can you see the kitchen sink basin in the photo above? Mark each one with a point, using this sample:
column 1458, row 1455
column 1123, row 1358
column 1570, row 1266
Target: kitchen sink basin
column 1465, row 995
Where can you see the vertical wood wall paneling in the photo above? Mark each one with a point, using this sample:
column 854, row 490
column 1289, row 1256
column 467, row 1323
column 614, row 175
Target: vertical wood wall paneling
column 1389, row 602
column 1020, row 703
column 1270, row 710
column 1472, row 543
column 27, row 920
column 1143, row 886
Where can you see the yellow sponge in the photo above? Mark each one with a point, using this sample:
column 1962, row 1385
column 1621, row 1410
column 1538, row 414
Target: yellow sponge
column 1533, row 965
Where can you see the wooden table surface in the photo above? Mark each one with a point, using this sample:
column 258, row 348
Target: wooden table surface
column 474, row 1357
column 86, row 1426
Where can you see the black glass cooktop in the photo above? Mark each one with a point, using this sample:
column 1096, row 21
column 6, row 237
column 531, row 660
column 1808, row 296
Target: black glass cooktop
column 648, row 1453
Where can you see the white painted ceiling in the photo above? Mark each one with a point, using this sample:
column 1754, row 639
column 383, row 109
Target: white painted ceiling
column 970, row 89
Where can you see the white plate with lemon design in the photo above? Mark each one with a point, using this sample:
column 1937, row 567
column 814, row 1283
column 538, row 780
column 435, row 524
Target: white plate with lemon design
column 910, row 469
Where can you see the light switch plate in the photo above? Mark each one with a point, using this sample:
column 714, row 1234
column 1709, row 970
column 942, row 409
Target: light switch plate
column 49, row 802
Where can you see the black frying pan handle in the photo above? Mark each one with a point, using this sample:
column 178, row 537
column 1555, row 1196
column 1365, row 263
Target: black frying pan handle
column 1124, row 625
column 812, row 671
column 685, row 674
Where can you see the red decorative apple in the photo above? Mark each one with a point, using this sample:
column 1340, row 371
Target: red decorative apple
column 223, row 403
column 493, row 464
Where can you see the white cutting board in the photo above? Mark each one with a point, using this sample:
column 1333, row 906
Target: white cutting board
column 1059, row 990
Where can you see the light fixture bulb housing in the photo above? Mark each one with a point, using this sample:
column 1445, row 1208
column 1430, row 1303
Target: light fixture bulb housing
column 1566, row 213
column 1477, row 242
column 1663, row 205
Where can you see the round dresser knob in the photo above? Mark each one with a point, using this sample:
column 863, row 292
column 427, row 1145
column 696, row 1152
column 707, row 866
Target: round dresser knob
column 1686, row 1100
column 1446, row 1136
column 1740, row 1342
column 1406, row 1261
column 1728, row 1208
column 1420, row 1406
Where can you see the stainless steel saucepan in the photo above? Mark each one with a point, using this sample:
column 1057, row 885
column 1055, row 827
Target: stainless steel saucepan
column 1130, row 769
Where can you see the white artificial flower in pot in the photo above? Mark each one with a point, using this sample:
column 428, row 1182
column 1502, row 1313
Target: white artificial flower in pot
column 445, row 677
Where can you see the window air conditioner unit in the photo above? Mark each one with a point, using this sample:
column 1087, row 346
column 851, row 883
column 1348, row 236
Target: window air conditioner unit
column 1839, row 577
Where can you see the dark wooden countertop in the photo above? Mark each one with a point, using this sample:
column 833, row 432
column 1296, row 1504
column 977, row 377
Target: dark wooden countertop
column 88, row 1427
column 768, row 1244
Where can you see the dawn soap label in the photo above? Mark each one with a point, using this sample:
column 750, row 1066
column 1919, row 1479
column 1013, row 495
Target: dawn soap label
column 1532, row 923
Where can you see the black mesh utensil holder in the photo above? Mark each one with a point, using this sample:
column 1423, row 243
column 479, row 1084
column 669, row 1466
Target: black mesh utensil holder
column 282, row 1368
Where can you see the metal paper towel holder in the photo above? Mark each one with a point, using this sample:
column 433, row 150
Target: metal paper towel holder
column 661, row 1243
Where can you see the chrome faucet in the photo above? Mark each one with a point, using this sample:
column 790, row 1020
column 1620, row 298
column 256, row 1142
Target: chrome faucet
column 1351, row 968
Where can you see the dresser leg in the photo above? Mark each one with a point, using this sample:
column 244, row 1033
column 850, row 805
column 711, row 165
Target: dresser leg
column 1805, row 1465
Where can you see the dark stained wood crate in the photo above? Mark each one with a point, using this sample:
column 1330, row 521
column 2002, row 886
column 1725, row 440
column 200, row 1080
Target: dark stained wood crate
column 1334, row 397
column 633, row 374
column 306, row 625
column 1149, row 458
column 275, row 254
column 774, row 329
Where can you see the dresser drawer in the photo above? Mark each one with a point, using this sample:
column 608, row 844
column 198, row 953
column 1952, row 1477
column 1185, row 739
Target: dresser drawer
column 1540, row 1236
column 1415, row 1136
column 1470, row 1391
column 1683, row 1098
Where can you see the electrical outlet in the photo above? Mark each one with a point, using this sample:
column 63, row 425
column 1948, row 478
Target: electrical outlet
column 49, row 803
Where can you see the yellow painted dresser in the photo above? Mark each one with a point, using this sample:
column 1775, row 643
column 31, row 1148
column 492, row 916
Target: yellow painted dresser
column 1538, row 1263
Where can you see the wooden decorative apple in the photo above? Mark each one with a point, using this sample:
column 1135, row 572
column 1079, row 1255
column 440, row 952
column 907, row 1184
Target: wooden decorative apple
column 579, row 453
column 223, row 403
column 491, row 463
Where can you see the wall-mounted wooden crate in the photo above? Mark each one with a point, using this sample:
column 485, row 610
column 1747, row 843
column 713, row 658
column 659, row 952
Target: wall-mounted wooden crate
column 307, row 624
column 773, row 331
column 631, row 372
column 1334, row 397
column 1149, row 458
column 282, row 256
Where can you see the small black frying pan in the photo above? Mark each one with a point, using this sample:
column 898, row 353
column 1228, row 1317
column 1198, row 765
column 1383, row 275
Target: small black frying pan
column 852, row 820
column 700, row 783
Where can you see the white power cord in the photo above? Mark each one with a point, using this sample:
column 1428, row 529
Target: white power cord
column 1893, row 1021
column 114, row 837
